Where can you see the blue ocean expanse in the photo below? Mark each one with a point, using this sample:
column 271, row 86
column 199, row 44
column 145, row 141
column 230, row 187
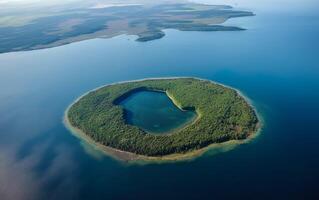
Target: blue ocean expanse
column 274, row 63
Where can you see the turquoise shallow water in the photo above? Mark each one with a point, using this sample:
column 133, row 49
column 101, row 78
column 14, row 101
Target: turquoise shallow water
column 155, row 112
column 274, row 63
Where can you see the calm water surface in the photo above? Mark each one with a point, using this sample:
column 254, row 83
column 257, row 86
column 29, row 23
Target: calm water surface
column 274, row 63
column 155, row 112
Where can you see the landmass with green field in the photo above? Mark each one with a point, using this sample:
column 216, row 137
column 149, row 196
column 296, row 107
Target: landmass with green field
column 29, row 28
column 222, row 115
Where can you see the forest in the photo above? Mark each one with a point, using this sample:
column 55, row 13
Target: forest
column 223, row 115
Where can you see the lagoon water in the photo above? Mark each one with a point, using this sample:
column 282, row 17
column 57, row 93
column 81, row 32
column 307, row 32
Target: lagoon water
column 155, row 112
column 274, row 63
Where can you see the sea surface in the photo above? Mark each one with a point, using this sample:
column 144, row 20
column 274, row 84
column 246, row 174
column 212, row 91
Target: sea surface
column 155, row 112
column 275, row 63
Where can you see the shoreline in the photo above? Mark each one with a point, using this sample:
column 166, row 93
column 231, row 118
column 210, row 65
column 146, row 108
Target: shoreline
column 132, row 157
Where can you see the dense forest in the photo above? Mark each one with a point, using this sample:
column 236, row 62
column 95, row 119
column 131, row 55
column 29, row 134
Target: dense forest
column 222, row 115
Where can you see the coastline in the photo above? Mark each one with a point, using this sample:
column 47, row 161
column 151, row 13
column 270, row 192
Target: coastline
column 132, row 157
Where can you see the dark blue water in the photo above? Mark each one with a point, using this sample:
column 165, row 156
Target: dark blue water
column 155, row 112
column 274, row 63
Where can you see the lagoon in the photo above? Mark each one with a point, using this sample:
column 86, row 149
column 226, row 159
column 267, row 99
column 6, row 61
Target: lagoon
column 155, row 112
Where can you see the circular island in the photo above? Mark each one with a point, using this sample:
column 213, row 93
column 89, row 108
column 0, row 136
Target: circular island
column 221, row 115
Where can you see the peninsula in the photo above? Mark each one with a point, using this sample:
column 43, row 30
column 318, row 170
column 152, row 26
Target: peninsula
column 38, row 29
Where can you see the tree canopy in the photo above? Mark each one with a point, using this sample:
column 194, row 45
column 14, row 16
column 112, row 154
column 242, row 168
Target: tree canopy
column 222, row 115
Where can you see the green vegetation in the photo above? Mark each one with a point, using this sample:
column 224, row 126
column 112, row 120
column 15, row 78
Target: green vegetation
column 150, row 35
column 223, row 115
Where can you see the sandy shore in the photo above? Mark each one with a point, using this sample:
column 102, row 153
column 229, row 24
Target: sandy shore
column 135, row 158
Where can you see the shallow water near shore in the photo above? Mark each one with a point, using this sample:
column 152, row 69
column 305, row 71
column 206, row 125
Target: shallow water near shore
column 274, row 63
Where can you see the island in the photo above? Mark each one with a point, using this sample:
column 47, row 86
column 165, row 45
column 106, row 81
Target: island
column 34, row 28
column 222, row 114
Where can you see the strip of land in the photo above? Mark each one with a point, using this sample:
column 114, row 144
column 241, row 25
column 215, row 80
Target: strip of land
column 40, row 29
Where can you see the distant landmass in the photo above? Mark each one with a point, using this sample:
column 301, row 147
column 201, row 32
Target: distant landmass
column 37, row 31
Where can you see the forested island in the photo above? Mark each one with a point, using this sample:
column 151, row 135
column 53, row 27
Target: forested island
column 222, row 115
column 32, row 28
